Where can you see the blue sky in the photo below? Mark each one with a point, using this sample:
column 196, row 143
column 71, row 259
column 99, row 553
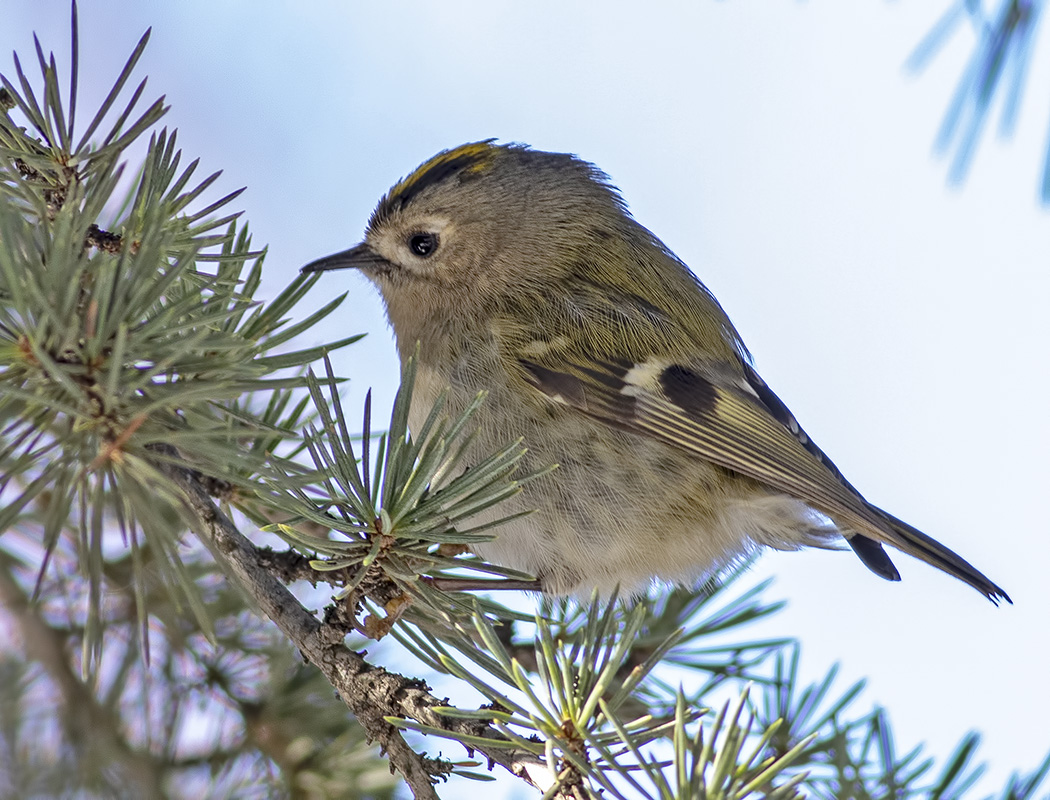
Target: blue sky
column 784, row 154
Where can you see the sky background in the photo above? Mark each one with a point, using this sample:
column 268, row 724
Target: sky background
column 781, row 150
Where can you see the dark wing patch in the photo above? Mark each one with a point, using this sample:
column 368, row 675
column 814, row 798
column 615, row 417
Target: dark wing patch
column 691, row 391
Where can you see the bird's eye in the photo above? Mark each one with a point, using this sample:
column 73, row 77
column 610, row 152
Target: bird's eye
column 423, row 244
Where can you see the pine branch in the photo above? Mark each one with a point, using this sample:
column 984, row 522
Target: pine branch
column 370, row 692
column 994, row 78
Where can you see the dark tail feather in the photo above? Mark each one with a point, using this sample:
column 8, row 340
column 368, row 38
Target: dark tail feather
column 916, row 543
column 870, row 552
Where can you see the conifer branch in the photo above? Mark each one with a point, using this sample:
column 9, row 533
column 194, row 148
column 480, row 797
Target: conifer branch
column 370, row 692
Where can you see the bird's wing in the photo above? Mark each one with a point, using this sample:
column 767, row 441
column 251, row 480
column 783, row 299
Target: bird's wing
column 721, row 423
column 731, row 418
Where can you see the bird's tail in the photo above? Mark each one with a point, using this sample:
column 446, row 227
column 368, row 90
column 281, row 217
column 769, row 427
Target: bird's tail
column 916, row 543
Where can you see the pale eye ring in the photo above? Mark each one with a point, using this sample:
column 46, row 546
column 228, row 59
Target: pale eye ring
column 423, row 244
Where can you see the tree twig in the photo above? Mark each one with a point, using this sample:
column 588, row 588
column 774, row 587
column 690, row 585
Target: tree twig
column 369, row 691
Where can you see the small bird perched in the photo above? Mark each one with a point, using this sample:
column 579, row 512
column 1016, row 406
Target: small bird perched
column 521, row 273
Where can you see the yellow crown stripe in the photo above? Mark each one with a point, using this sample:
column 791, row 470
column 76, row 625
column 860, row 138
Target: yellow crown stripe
column 467, row 158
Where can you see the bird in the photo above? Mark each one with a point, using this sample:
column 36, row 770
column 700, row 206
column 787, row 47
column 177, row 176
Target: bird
column 521, row 273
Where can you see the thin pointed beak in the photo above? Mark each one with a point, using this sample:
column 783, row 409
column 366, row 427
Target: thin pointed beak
column 360, row 257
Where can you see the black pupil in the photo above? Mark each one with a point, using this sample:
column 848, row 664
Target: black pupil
column 423, row 244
